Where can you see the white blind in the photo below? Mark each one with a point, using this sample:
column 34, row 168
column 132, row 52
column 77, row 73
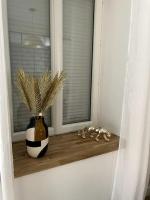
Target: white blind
column 28, row 23
column 77, row 51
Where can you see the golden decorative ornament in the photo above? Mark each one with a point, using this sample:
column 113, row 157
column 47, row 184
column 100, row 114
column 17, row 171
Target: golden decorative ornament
column 95, row 133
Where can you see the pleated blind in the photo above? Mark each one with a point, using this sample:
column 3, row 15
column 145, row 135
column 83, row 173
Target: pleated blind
column 78, row 17
column 29, row 41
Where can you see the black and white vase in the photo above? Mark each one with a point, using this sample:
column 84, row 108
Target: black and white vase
column 37, row 137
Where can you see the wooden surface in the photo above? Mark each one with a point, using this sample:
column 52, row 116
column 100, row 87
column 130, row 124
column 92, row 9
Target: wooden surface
column 147, row 198
column 63, row 149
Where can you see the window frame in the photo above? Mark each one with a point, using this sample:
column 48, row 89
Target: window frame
column 56, row 37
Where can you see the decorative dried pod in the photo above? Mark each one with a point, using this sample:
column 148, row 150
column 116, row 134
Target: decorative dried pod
column 106, row 138
column 96, row 133
column 99, row 133
column 103, row 130
column 97, row 138
column 82, row 133
column 104, row 133
column 79, row 132
column 97, row 130
column 91, row 131
column 108, row 134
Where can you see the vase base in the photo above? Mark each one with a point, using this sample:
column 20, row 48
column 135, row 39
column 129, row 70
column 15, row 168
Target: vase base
column 43, row 152
column 39, row 150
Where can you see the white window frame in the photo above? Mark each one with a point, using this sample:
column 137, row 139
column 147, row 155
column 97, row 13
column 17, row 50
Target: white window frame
column 56, row 19
column 56, row 34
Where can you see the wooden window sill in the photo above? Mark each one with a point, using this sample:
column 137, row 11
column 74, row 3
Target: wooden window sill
column 63, row 149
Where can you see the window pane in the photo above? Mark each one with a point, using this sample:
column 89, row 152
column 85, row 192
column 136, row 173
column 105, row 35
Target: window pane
column 78, row 17
column 29, row 40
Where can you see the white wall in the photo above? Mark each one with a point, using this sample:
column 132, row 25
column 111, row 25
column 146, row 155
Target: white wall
column 115, row 30
column 89, row 179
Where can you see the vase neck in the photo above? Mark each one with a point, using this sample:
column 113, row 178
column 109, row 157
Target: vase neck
column 39, row 117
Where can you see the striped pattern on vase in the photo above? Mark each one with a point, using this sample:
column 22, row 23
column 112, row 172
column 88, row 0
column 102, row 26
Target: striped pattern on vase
column 37, row 137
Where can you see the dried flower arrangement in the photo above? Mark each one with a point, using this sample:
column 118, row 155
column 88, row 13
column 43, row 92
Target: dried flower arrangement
column 38, row 94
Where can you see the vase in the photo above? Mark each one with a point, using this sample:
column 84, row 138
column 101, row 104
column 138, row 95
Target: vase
column 37, row 137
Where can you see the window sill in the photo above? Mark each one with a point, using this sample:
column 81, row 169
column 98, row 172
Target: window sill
column 63, row 149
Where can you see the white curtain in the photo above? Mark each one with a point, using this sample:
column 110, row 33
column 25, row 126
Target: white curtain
column 6, row 165
column 133, row 156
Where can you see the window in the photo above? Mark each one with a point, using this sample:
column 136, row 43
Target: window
column 55, row 35
column 29, row 41
column 77, row 59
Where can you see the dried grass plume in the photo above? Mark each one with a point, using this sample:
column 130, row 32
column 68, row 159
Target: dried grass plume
column 38, row 94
